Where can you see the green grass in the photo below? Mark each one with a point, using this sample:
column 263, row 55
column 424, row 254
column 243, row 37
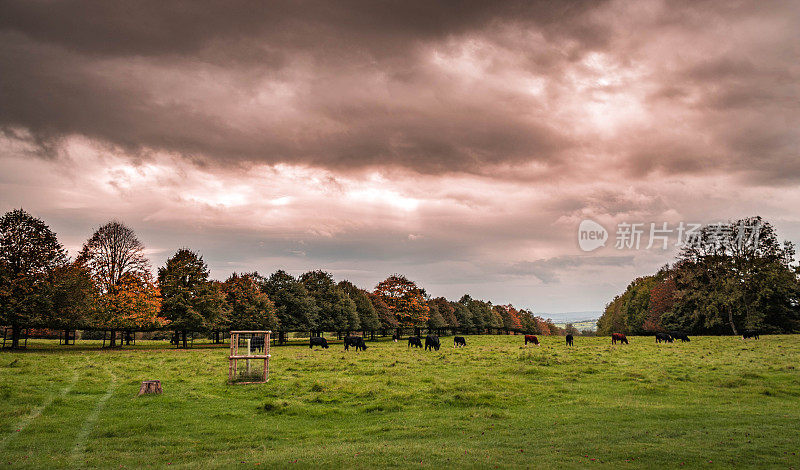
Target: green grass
column 714, row 402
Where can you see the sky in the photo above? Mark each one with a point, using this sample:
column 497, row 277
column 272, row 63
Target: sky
column 460, row 145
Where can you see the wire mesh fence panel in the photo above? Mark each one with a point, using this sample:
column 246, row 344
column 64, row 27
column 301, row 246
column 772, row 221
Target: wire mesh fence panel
column 249, row 357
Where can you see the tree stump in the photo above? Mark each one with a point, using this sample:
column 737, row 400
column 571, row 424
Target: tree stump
column 150, row 387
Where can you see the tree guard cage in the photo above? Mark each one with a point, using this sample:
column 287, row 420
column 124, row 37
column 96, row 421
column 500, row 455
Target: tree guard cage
column 248, row 349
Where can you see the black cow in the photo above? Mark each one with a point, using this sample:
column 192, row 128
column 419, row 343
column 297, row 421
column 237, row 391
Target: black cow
column 257, row 343
column 414, row 341
column 663, row 338
column 318, row 341
column 569, row 340
column 750, row 334
column 680, row 335
column 459, row 341
column 356, row 341
column 431, row 342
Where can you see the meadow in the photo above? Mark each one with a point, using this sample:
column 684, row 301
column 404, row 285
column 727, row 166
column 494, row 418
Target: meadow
column 713, row 402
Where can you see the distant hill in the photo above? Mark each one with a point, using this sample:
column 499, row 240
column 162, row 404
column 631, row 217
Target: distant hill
column 581, row 320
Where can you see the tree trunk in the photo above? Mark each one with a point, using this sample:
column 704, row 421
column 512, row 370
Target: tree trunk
column 150, row 387
column 15, row 334
column 183, row 337
column 730, row 320
column 112, row 342
column 66, row 337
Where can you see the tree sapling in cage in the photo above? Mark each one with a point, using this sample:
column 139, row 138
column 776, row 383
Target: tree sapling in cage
column 249, row 358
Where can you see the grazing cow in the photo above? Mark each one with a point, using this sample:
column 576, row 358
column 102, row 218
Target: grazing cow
column 431, row 342
column 618, row 337
column 531, row 339
column 663, row 338
column 318, row 341
column 459, row 341
column 680, row 335
column 750, row 334
column 414, row 341
column 356, row 341
column 569, row 340
column 257, row 343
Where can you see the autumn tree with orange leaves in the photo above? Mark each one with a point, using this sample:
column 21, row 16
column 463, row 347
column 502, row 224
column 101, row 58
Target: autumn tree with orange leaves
column 405, row 300
column 128, row 298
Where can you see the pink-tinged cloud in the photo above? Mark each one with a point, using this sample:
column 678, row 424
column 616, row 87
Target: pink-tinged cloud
column 461, row 146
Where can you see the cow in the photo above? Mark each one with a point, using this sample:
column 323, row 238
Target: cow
column 257, row 343
column 680, row 335
column 749, row 334
column 618, row 337
column 459, row 341
column 531, row 339
column 569, row 340
column 414, row 341
column 663, row 338
column 318, row 341
column 356, row 341
column 431, row 342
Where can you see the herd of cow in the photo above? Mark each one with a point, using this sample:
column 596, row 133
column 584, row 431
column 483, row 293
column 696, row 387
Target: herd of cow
column 432, row 342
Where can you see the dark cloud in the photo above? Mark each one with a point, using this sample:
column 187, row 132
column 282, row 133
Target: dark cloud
column 356, row 84
column 189, row 78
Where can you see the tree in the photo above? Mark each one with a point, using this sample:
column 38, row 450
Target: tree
column 570, row 329
column 114, row 257
column 444, row 308
column 405, row 300
column 722, row 281
column 72, row 298
column 294, row 305
column 480, row 313
column 367, row 314
column 436, row 320
column 336, row 311
column 387, row 319
column 251, row 309
column 528, row 322
column 133, row 303
column 510, row 315
column 191, row 302
column 662, row 301
column 29, row 254
column 463, row 316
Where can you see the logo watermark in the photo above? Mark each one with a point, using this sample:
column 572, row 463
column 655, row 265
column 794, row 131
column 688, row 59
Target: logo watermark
column 591, row 235
column 629, row 235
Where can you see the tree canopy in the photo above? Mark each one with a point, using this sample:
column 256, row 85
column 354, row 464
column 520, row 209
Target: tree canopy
column 732, row 277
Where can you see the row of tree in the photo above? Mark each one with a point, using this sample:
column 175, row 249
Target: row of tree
column 110, row 286
column 721, row 283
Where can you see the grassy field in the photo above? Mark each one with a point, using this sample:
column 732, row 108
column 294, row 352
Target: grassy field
column 714, row 402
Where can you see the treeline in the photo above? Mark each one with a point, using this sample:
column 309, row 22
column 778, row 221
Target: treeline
column 729, row 279
column 110, row 286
